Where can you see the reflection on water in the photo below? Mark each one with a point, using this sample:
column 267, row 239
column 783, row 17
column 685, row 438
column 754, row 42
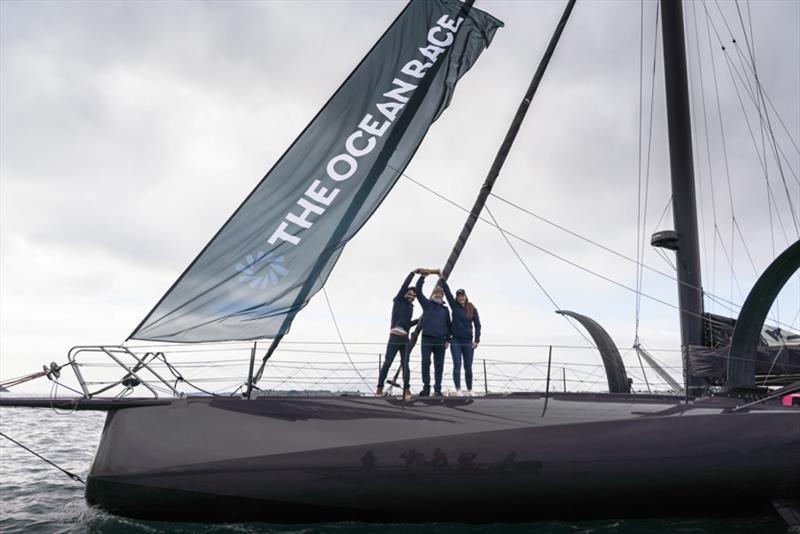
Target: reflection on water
column 35, row 497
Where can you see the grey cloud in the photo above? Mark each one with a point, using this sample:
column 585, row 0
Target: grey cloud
column 130, row 131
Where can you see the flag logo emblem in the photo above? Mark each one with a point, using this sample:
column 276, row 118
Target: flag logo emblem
column 261, row 270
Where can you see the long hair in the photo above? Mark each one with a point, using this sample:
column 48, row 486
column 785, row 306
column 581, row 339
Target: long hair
column 469, row 309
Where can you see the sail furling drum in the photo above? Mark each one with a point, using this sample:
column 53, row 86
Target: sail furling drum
column 278, row 248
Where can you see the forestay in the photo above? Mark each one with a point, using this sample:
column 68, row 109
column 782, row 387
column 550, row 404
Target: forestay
column 278, row 248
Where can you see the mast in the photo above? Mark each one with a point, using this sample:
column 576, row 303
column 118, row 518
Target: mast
column 502, row 153
column 690, row 293
column 500, row 158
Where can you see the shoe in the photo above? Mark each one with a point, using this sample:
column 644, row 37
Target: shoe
column 379, row 392
column 458, row 392
column 425, row 392
column 438, row 393
column 468, row 393
column 406, row 394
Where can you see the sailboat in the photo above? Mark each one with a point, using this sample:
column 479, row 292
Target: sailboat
column 511, row 457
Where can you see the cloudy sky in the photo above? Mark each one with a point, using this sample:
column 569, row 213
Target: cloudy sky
column 129, row 131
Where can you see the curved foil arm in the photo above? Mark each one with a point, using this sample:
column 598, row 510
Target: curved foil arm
column 615, row 369
column 747, row 332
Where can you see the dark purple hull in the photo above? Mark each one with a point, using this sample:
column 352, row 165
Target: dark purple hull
column 452, row 459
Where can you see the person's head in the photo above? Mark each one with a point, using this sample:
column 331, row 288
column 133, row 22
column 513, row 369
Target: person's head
column 437, row 294
column 411, row 294
column 463, row 301
column 461, row 297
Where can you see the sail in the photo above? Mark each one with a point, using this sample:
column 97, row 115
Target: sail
column 278, row 248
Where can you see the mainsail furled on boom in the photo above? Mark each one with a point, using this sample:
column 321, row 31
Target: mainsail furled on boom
column 278, row 248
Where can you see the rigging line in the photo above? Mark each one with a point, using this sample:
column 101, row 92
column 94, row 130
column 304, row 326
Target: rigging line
column 722, row 44
column 641, row 248
column 598, row 275
column 640, row 259
column 533, row 277
column 556, row 225
column 771, row 201
column 708, row 145
column 723, row 137
column 658, row 360
column 789, row 165
column 774, row 361
column 781, row 173
column 770, row 195
column 750, row 44
column 747, row 250
column 752, row 35
column 733, row 39
column 373, row 343
column 179, row 377
column 73, row 476
column 663, row 214
column 728, row 178
column 750, row 48
column 286, row 378
column 772, row 320
column 730, row 263
column 746, row 61
column 764, row 117
column 778, row 150
column 663, row 255
column 553, row 254
column 455, row 204
column 22, row 379
column 339, row 333
column 761, row 102
column 54, row 387
column 639, row 163
column 780, row 120
column 574, row 234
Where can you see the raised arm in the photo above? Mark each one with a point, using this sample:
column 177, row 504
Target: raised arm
column 404, row 287
column 420, row 296
column 447, row 293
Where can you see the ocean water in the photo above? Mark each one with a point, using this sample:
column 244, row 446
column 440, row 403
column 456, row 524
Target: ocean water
column 35, row 497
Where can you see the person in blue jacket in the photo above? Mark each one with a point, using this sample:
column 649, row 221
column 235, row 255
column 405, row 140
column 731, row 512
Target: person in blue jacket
column 435, row 335
column 400, row 326
column 462, row 345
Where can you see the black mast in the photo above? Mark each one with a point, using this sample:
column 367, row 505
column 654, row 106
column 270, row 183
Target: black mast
column 505, row 148
column 502, row 153
column 690, row 294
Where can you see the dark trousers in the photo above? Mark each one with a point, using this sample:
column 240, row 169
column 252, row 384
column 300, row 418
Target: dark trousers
column 432, row 345
column 396, row 344
column 462, row 350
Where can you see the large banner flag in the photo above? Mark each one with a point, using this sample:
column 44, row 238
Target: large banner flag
column 278, row 248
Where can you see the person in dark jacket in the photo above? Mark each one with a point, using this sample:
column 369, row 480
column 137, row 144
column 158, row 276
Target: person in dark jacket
column 402, row 310
column 462, row 345
column 435, row 335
